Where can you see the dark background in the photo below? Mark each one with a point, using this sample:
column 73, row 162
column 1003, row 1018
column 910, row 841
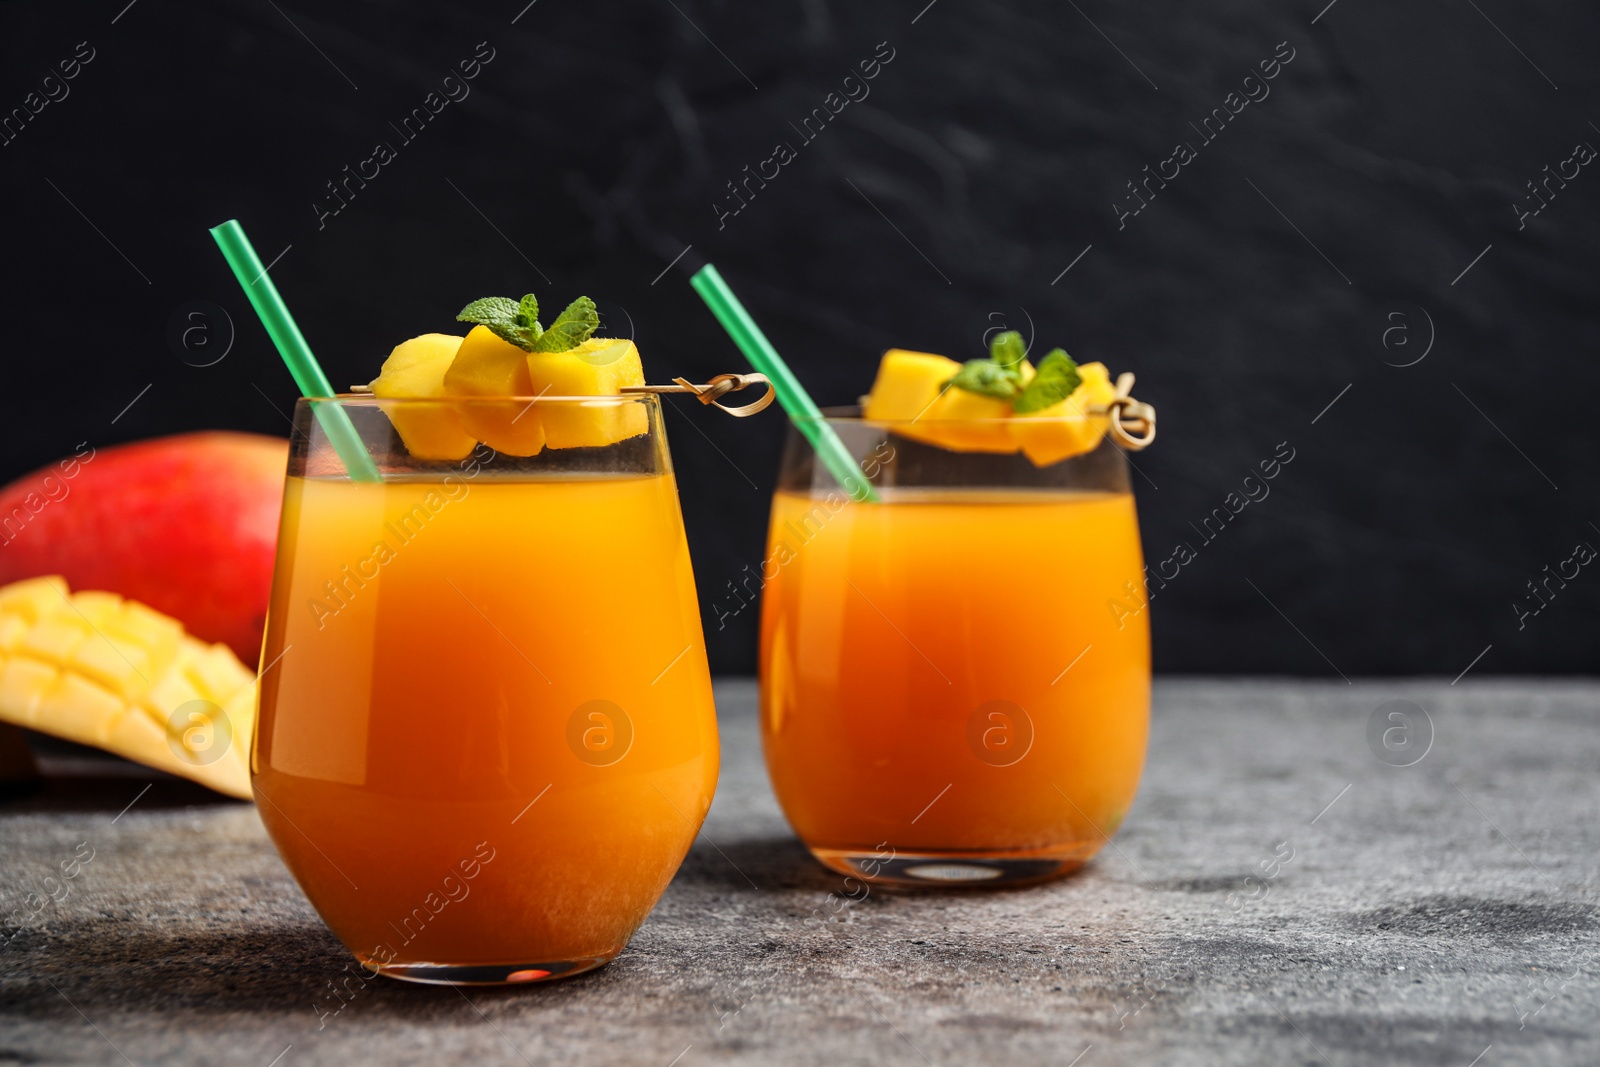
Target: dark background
column 986, row 159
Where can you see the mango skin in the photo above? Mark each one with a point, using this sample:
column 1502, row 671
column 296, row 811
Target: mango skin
column 486, row 366
column 601, row 366
column 416, row 369
column 186, row 524
column 1066, row 429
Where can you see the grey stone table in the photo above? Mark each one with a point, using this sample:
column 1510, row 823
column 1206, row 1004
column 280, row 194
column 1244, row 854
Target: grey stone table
column 1438, row 913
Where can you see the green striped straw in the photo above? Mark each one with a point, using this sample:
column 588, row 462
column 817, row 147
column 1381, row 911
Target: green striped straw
column 274, row 314
column 802, row 410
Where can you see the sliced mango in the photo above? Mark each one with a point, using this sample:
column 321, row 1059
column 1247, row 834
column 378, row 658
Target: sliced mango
column 1052, row 434
column 600, row 366
column 416, row 369
column 486, row 366
column 99, row 670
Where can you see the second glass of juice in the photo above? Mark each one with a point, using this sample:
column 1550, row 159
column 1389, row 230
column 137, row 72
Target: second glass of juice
column 486, row 736
column 955, row 678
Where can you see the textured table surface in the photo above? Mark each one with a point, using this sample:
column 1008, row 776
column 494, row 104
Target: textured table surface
column 1438, row 913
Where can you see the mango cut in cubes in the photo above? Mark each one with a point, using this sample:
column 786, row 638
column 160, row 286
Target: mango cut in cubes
column 907, row 383
column 487, row 366
column 1052, row 434
column 473, row 377
column 99, row 670
column 416, row 368
column 600, row 366
column 910, row 394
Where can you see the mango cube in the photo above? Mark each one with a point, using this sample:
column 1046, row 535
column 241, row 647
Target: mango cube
column 416, row 369
column 906, row 384
column 600, row 366
column 968, row 422
column 1068, row 428
column 486, row 366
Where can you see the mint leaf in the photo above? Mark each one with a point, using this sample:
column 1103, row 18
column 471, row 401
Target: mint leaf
column 1007, row 349
column 489, row 311
column 512, row 322
column 527, row 313
column 512, row 334
column 517, row 322
column 985, row 378
column 1055, row 380
column 572, row 327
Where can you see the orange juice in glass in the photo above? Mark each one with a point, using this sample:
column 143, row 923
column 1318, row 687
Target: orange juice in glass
column 486, row 735
column 950, row 694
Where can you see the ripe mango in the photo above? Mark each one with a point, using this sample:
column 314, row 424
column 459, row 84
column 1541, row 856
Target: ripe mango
column 600, row 366
column 416, row 369
column 486, row 366
column 1052, row 434
column 185, row 524
column 99, row 670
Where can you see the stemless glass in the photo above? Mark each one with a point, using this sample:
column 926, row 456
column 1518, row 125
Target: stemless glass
column 486, row 736
column 955, row 680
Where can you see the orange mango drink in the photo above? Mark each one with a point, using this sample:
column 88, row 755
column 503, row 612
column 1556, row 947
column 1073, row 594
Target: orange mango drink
column 954, row 688
column 916, row 701
column 439, row 646
column 486, row 736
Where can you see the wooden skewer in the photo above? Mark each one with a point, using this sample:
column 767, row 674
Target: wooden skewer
column 711, row 392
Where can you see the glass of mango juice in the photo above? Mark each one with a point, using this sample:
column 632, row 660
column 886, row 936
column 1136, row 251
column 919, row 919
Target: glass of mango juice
column 947, row 695
column 486, row 736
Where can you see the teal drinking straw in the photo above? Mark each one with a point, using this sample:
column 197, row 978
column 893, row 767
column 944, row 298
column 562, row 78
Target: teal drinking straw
column 802, row 410
column 274, row 314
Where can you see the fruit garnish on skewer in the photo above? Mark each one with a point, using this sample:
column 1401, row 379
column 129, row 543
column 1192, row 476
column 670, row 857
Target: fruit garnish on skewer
column 94, row 668
column 508, row 353
column 1002, row 404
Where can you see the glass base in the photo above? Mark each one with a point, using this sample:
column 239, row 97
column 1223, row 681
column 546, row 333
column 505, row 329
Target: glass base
column 962, row 868
column 486, row 973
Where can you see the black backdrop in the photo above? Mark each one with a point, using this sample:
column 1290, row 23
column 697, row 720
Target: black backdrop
column 1356, row 214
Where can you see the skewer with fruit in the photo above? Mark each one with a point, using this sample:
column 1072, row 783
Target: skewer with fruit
column 1049, row 413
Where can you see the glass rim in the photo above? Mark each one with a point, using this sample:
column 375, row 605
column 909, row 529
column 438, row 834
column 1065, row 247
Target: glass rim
column 853, row 415
column 370, row 399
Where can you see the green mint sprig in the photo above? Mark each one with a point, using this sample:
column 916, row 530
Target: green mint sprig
column 1055, row 380
column 517, row 322
column 1000, row 376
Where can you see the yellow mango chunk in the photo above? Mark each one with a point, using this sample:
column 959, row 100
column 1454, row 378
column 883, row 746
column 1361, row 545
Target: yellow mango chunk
column 12, row 630
column 951, row 422
column 28, row 600
column 78, row 709
column 54, row 637
column 906, row 384
column 100, row 670
column 416, row 369
column 601, row 366
column 114, row 662
column 97, row 608
column 1052, row 434
column 910, row 392
column 23, row 683
column 486, row 366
